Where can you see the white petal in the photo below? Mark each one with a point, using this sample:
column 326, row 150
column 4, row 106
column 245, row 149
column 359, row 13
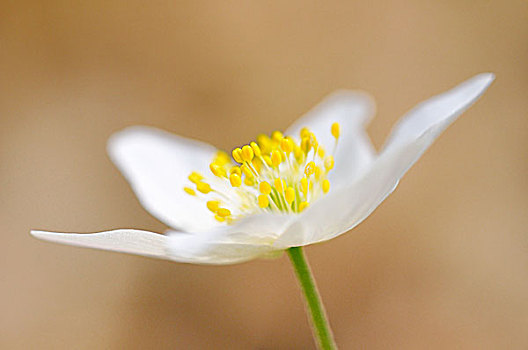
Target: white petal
column 250, row 238
column 342, row 210
column 438, row 112
column 126, row 241
column 157, row 164
column 352, row 110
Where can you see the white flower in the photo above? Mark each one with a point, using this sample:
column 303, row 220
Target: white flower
column 283, row 193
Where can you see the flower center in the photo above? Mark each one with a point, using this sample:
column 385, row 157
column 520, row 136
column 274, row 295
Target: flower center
column 273, row 174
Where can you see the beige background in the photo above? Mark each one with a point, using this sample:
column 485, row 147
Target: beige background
column 442, row 263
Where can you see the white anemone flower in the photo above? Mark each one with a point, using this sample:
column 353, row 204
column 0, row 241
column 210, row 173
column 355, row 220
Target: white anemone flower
column 317, row 183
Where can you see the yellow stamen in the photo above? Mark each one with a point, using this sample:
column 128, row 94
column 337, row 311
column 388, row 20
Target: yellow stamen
column 235, row 180
column 190, row 191
column 195, row 177
column 276, row 158
column 326, row 185
column 305, row 144
column 305, row 132
column 335, row 129
column 217, row 170
column 264, row 143
column 304, row 185
column 237, row 155
column 317, row 173
column 247, row 153
column 260, row 182
column 222, row 158
column 257, row 164
column 268, row 161
column 277, row 136
column 265, row 188
column 278, row 185
column 289, row 194
column 313, row 140
column 213, row 206
column 203, row 187
column 247, row 171
column 223, row 212
column 256, row 149
column 263, row 201
column 329, row 163
column 236, row 170
column 287, row 145
column 309, row 169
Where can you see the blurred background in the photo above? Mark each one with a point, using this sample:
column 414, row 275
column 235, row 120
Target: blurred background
column 442, row 263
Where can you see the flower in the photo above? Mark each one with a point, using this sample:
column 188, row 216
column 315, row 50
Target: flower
column 318, row 182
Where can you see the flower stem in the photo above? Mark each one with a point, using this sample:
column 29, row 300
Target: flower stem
column 320, row 325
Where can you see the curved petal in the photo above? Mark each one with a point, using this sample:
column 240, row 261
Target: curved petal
column 342, row 210
column 248, row 239
column 126, row 241
column 156, row 164
column 441, row 109
column 354, row 153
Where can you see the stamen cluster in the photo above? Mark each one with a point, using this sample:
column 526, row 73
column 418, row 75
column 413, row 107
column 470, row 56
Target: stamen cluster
column 273, row 174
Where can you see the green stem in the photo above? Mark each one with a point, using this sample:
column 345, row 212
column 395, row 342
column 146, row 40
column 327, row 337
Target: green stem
column 321, row 328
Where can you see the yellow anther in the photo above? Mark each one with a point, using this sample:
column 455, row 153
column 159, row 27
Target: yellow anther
column 235, row 180
column 195, row 177
column 278, row 185
column 219, row 218
column 236, row 170
column 289, row 194
column 247, row 171
column 256, row 149
column 335, row 129
column 223, row 212
column 313, row 140
column 268, row 161
column 326, row 185
column 305, row 132
column 190, row 191
column 305, row 144
column 249, row 181
column 203, row 187
column 213, row 205
column 222, row 158
column 329, row 163
column 302, row 206
column 276, row 158
column 217, row 170
column 237, row 155
column 257, row 164
column 317, row 173
column 277, row 136
column 321, row 152
column 265, row 188
column 264, row 143
column 300, row 158
column 286, row 145
column 304, row 185
column 297, row 151
column 309, row 169
column 247, row 153
column 263, row 201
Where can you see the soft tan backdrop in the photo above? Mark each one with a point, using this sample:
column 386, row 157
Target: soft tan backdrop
column 443, row 263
